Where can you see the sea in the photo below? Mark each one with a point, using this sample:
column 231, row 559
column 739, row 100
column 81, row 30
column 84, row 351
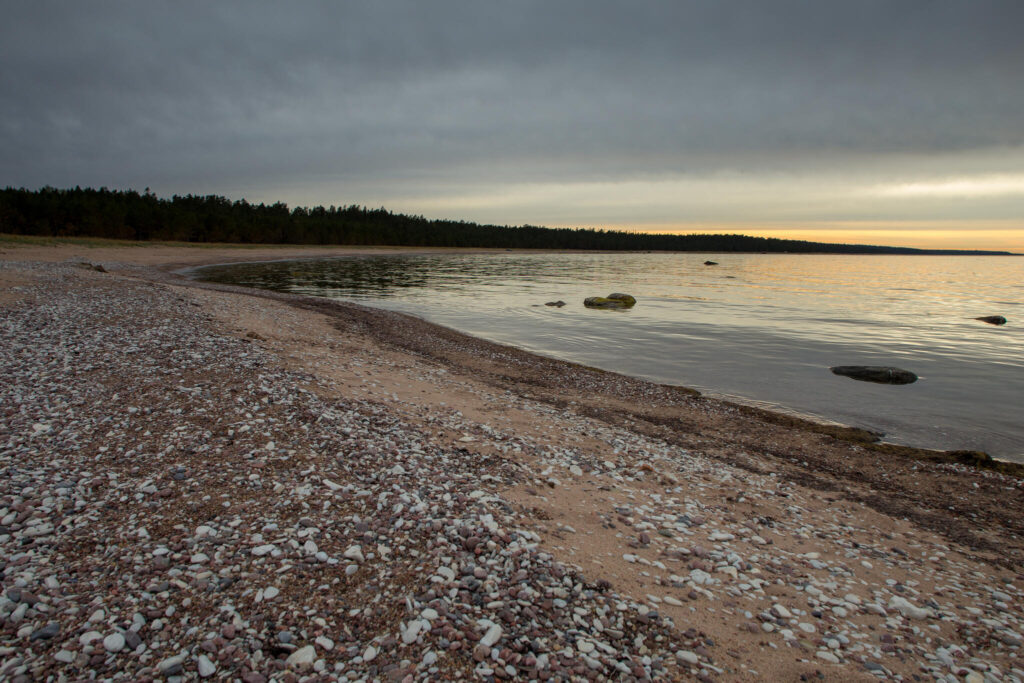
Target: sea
column 761, row 329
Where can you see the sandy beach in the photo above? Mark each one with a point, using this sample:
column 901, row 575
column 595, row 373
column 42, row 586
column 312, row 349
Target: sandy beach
column 201, row 481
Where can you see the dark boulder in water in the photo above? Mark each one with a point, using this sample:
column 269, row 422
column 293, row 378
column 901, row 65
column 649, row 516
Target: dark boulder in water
column 557, row 304
column 992, row 319
column 876, row 373
column 711, row 263
column 614, row 300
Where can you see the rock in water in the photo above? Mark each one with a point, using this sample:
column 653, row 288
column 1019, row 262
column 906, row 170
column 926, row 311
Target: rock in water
column 613, row 300
column 711, row 263
column 992, row 319
column 876, row 373
column 557, row 304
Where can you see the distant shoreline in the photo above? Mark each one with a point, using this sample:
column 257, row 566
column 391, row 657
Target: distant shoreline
column 205, row 253
column 127, row 214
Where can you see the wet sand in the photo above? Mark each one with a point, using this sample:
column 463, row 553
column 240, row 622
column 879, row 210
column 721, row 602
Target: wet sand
column 591, row 525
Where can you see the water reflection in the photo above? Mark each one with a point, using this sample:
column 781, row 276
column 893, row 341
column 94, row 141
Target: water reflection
column 763, row 327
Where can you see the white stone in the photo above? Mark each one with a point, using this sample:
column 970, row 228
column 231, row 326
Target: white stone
column 89, row 637
column 585, row 646
column 875, row 608
column 324, row 642
column 331, row 485
column 270, row 593
column 781, row 611
column 113, row 643
column 206, row 667
column 170, row 663
column 411, row 631
column 492, row 636
column 304, row 655
column 699, row 577
column 355, row 552
column 261, row 550
column 688, row 657
column 908, row 609
column 369, row 653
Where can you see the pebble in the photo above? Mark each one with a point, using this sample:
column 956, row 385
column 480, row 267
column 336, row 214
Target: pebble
column 114, row 642
column 492, row 636
column 172, row 666
column 302, row 656
column 205, row 667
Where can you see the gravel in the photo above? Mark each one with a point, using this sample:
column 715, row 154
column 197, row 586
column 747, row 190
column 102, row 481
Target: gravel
column 157, row 477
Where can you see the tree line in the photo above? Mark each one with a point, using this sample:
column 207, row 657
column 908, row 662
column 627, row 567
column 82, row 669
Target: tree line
column 130, row 215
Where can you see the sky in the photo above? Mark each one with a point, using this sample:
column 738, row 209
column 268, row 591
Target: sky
column 868, row 121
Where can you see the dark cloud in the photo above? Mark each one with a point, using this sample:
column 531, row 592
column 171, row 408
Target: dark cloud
column 206, row 96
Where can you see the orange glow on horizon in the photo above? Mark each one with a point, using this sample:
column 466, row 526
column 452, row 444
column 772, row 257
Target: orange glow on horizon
column 992, row 236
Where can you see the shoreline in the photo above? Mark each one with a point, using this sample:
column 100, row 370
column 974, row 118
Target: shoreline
column 773, row 413
column 646, row 490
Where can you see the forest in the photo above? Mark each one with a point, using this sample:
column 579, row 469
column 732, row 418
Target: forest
column 130, row 215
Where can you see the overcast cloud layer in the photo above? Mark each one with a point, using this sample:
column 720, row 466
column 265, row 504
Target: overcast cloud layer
column 666, row 115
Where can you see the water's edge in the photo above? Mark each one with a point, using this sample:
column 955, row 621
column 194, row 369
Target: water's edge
column 779, row 413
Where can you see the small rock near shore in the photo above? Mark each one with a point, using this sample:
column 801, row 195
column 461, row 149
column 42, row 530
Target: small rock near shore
column 876, row 373
column 992, row 319
column 613, row 300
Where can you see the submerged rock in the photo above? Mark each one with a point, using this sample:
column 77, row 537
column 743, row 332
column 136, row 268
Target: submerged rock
column 711, row 263
column 613, row 300
column 876, row 373
column 992, row 319
column 558, row 303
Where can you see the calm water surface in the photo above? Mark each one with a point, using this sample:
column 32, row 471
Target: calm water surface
column 760, row 328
